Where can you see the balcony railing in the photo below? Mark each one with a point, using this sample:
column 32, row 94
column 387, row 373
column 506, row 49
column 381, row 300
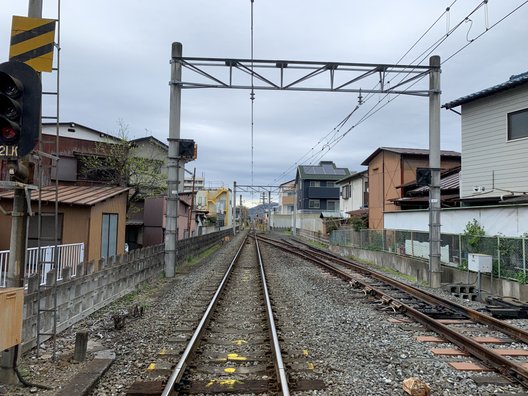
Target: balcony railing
column 68, row 256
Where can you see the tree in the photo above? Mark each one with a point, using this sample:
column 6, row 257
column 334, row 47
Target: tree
column 119, row 162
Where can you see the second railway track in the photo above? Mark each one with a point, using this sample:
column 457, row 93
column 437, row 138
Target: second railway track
column 494, row 343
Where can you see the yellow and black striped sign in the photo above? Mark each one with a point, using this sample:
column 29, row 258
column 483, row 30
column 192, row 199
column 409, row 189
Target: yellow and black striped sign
column 32, row 42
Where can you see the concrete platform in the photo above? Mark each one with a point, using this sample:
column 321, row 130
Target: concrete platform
column 84, row 381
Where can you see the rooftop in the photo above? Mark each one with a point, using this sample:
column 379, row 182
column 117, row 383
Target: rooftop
column 409, row 152
column 514, row 81
column 73, row 195
column 326, row 170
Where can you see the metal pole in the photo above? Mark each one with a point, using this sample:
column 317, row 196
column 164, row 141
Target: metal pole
column 294, row 231
column 434, row 164
column 234, row 208
column 269, row 211
column 171, row 236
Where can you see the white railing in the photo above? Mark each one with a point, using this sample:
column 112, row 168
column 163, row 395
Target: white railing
column 67, row 256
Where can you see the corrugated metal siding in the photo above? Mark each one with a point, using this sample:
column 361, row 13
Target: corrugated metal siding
column 485, row 148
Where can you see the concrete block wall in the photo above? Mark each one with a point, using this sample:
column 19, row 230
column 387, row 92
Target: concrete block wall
column 89, row 291
column 79, row 296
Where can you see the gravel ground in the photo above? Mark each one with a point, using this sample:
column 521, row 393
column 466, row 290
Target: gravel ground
column 353, row 347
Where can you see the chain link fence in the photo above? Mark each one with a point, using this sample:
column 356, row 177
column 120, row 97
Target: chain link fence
column 508, row 254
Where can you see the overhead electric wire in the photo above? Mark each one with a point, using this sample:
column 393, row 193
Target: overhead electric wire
column 329, row 145
column 338, row 127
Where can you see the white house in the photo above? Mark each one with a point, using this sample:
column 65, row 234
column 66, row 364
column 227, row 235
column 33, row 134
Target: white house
column 354, row 192
column 494, row 143
column 287, row 197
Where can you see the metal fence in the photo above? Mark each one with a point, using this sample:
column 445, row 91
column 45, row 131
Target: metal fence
column 67, row 256
column 509, row 254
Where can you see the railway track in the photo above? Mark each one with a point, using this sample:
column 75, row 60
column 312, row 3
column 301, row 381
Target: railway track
column 235, row 347
column 495, row 344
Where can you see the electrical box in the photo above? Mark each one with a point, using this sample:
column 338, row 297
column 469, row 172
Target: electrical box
column 11, row 308
column 480, row 262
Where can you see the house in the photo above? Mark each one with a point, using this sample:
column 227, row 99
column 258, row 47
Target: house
column 155, row 152
column 316, row 187
column 217, row 203
column 494, row 143
column 415, row 196
column 287, row 197
column 391, row 167
column 74, row 140
column 354, row 192
column 154, row 219
column 93, row 215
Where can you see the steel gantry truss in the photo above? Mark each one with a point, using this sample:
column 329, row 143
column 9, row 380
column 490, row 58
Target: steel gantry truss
column 288, row 75
column 253, row 189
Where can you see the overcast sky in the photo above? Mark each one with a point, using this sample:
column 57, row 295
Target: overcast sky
column 115, row 66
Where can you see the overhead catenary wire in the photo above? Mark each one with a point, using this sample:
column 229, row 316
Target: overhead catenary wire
column 312, row 153
column 424, row 55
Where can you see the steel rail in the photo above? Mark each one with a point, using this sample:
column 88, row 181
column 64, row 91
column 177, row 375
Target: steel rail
column 179, row 370
column 503, row 365
column 279, row 364
column 512, row 331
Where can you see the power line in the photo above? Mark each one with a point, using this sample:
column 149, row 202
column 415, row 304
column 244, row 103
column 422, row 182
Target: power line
column 373, row 110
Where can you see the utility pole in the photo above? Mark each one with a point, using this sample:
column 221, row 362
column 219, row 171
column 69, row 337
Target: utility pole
column 435, row 270
column 233, row 218
column 173, row 164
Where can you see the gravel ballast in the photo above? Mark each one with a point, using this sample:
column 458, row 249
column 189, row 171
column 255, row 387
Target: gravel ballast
column 348, row 342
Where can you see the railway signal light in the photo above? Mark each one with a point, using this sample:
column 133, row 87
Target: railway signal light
column 20, row 106
column 187, row 149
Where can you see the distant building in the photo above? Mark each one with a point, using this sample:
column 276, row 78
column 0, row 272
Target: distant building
column 287, row 197
column 216, row 203
column 354, row 192
column 190, row 184
column 316, row 187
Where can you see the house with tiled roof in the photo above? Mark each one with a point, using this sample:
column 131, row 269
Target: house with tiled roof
column 316, row 187
column 494, row 143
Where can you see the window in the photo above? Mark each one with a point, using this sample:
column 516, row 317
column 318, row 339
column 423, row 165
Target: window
column 518, row 124
column 314, row 204
column 315, row 183
column 109, row 235
column 345, row 191
column 330, row 184
column 47, row 229
column 332, row 205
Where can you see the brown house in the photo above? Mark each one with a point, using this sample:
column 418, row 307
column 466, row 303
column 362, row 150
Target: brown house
column 389, row 168
column 95, row 216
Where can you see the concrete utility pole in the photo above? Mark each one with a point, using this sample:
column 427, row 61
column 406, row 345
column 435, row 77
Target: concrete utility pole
column 435, row 270
column 173, row 164
column 233, row 218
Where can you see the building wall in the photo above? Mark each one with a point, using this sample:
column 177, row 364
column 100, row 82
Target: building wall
column 357, row 194
column 75, row 227
column 510, row 221
column 489, row 160
column 388, row 171
column 116, row 205
column 376, row 191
